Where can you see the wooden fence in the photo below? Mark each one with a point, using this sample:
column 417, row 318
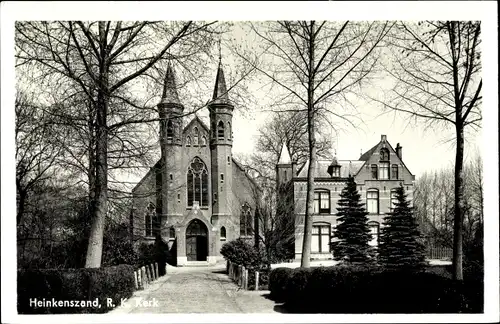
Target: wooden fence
column 145, row 275
column 240, row 275
column 439, row 253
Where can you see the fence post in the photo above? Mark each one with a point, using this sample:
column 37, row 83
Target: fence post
column 144, row 275
column 140, row 278
column 156, row 270
column 152, row 269
column 148, row 274
column 242, row 276
column 256, row 280
column 245, row 280
column 135, row 281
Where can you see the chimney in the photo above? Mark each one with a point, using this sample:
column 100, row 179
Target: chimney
column 383, row 138
column 399, row 151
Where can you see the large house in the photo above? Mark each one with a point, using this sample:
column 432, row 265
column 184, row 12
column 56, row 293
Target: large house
column 377, row 173
column 197, row 196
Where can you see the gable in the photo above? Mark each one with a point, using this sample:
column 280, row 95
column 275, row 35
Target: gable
column 347, row 167
column 198, row 123
column 373, row 156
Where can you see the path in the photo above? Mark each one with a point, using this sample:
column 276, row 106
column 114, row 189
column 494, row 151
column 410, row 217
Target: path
column 196, row 290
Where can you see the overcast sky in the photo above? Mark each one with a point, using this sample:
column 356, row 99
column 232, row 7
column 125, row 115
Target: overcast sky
column 422, row 150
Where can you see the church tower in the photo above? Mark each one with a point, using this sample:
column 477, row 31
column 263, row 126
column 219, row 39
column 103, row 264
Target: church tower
column 221, row 142
column 170, row 109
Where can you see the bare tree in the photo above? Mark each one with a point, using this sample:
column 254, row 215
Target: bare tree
column 102, row 60
column 434, row 204
column 314, row 68
column 437, row 69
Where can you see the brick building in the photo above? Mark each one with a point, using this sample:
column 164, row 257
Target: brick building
column 377, row 173
column 200, row 196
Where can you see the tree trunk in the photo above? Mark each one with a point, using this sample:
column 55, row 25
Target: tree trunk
column 94, row 250
column 459, row 206
column 21, row 202
column 92, row 160
column 306, row 245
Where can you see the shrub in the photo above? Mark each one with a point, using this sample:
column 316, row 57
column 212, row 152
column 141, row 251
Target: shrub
column 371, row 289
column 153, row 253
column 278, row 282
column 242, row 253
column 263, row 279
column 71, row 285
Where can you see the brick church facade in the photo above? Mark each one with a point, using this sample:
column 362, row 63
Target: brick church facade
column 197, row 196
column 377, row 173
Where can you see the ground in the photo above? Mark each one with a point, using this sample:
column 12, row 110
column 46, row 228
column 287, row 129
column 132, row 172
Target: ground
column 196, row 290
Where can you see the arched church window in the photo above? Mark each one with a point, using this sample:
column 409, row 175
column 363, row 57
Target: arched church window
column 222, row 233
column 229, row 134
column 197, row 183
column 149, row 219
column 203, row 140
column 170, row 130
column 246, row 228
column 196, row 136
column 188, row 141
column 171, row 233
column 384, row 154
column 220, row 129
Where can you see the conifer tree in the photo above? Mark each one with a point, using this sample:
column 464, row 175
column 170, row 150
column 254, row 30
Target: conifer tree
column 352, row 232
column 400, row 247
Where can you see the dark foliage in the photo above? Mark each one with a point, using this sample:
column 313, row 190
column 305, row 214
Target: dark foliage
column 277, row 282
column 114, row 282
column 263, row 279
column 243, row 253
column 153, row 253
column 352, row 232
column 400, row 240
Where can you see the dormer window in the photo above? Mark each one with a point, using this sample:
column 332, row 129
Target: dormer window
column 188, row 141
column 334, row 169
column 384, row 154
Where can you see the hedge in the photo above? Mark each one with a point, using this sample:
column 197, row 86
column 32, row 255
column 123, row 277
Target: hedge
column 68, row 288
column 277, row 283
column 371, row 289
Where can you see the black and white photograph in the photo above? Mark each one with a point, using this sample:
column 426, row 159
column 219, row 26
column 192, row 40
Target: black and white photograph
column 327, row 161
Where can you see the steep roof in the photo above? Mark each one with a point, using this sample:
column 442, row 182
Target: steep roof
column 321, row 169
column 220, row 90
column 284, row 155
column 365, row 156
column 170, row 94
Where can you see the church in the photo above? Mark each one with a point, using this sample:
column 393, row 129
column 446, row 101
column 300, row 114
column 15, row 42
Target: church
column 377, row 173
column 197, row 196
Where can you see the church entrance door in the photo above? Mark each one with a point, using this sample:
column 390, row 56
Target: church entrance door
column 196, row 241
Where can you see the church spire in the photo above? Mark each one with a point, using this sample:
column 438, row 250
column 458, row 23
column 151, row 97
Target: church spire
column 169, row 88
column 220, row 91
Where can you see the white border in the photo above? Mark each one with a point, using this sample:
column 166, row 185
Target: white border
column 415, row 10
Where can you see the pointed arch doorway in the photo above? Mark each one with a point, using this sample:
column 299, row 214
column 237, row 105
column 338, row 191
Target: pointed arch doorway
column 196, row 241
